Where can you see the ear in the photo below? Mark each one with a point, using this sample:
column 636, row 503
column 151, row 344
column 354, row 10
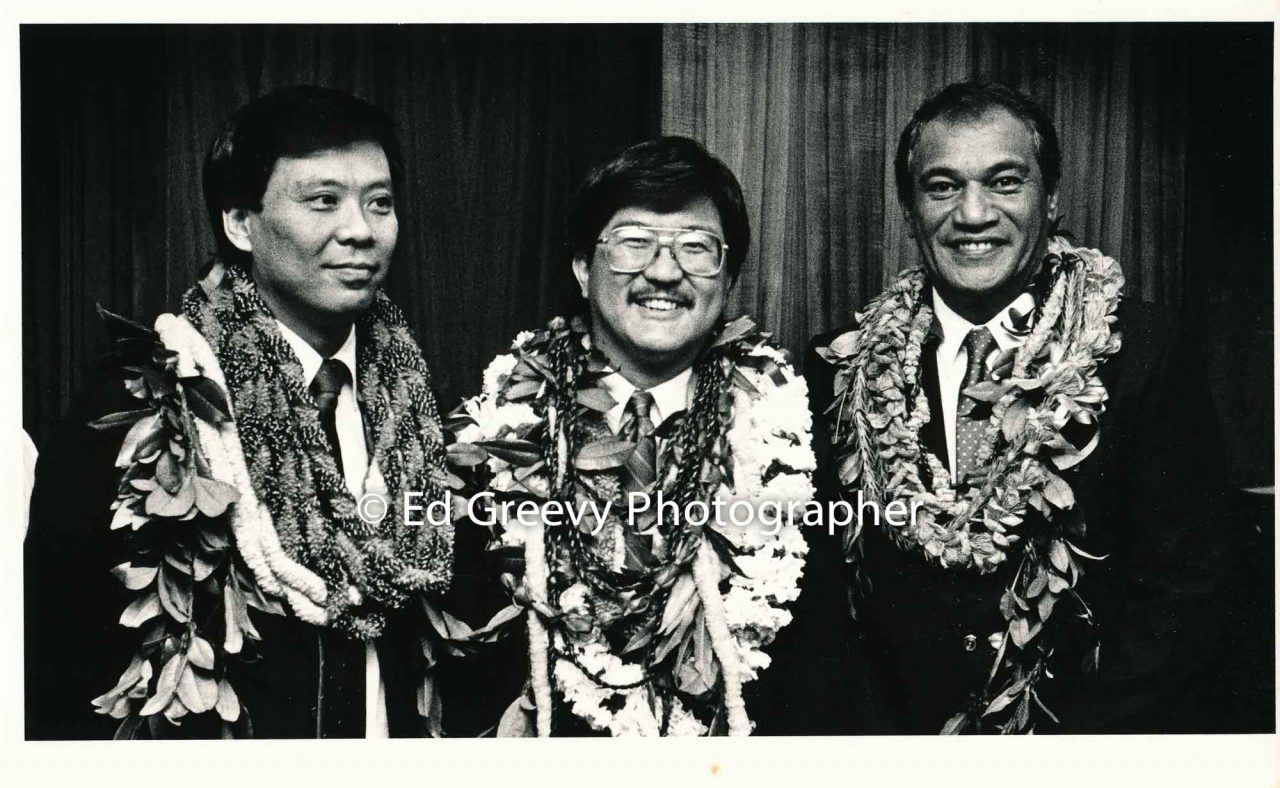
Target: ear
column 1052, row 203
column 907, row 219
column 580, row 273
column 235, row 223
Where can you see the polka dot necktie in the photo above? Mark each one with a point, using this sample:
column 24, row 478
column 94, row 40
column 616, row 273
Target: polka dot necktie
column 969, row 430
column 637, row 426
column 325, row 387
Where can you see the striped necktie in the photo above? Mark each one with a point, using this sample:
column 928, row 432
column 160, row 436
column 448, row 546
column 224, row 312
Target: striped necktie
column 637, row 427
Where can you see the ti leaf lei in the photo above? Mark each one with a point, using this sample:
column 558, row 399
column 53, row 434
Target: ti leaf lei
column 1043, row 406
column 191, row 593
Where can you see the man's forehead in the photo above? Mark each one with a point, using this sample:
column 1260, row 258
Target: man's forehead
column 993, row 136
column 363, row 161
column 700, row 212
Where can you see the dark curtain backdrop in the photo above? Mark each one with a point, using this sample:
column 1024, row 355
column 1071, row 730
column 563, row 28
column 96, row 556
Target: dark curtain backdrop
column 498, row 124
column 1166, row 133
column 1166, row 141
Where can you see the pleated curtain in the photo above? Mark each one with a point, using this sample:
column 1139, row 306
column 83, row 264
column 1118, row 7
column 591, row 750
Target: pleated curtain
column 809, row 118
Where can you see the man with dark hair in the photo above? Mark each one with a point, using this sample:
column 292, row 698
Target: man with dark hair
column 653, row 321
column 293, row 122
column 663, row 175
column 1057, row 450
column 277, row 425
column 629, row 429
column 970, row 101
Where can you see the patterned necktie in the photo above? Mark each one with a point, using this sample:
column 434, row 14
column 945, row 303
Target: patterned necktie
column 325, row 387
column 340, row 711
column 969, row 431
column 637, row 426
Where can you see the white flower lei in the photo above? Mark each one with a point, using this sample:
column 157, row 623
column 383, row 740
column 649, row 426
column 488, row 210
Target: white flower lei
column 256, row 539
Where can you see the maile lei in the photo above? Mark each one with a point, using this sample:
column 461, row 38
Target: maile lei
column 1044, row 400
column 231, row 500
column 643, row 637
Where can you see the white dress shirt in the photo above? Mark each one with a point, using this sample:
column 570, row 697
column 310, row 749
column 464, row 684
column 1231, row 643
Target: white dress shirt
column 29, row 456
column 669, row 397
column 355, row 470
column 953, row 359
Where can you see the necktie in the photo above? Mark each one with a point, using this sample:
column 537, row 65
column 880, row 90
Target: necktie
column 969, row 431
column 642, row 540
column 637, row 426
column 325, row 387
column 340, row 710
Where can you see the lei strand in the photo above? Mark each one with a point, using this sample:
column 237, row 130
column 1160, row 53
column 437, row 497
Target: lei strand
column 689, row 640
column 1045, row 400
column 583, row 561
column 539, row 643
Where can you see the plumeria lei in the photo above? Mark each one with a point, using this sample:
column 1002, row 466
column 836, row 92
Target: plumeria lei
column 1044, row 401
column 638, row 639
column 230, row 499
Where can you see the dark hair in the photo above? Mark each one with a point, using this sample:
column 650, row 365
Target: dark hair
column 292, row 121
column 970, row 101
column 665, row 174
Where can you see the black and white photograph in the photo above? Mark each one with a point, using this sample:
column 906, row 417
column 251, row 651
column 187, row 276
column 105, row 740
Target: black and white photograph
column 852, row 380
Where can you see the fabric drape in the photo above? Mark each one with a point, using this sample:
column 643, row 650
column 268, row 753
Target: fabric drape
column 1166, row 136
column 497, row 125
column 809, row 116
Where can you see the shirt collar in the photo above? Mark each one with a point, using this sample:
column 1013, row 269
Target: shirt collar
column 669, row 397
column 311, row 360
column 955, row 328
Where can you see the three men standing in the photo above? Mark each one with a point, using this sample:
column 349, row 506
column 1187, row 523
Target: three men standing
column 1055, row 448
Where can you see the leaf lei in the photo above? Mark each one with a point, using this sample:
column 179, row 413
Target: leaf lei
column 1045, row 400
column 190, row 589
column 642, row 642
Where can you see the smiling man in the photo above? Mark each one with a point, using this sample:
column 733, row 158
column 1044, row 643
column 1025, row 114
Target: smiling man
column 322, row 238
column 653, row 316
column 287, row 392
column 1058, row 448
column 644, row 395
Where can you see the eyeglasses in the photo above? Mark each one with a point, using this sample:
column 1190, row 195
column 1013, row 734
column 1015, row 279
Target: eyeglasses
column 632, row 248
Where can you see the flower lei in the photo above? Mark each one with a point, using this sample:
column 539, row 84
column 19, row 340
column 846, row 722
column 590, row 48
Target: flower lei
column 231, row 509
column 1044, row 403
column 662, row 649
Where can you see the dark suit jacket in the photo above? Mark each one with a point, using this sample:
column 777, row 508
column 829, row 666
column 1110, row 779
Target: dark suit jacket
column 1153, row 499
column 75, row 649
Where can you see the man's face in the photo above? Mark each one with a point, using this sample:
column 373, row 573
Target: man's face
column 322, row 242
column 659, row 318
column 979, row 209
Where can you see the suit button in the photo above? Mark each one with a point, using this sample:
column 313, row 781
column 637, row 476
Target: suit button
column 970, row 642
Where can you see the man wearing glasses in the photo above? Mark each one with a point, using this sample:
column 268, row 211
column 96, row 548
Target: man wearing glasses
column 651, row 313
column 640, row 623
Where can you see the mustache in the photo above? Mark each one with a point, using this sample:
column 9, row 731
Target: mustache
column 671, row 294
